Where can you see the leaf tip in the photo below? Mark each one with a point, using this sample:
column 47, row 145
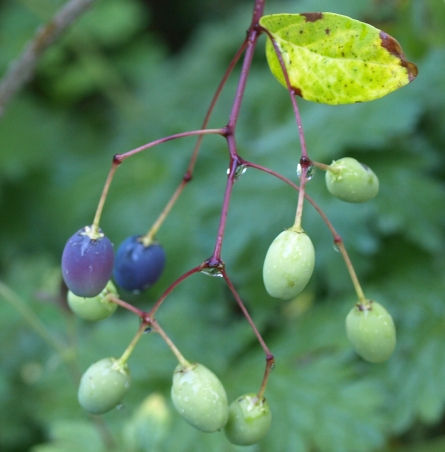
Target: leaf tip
column 393, row 47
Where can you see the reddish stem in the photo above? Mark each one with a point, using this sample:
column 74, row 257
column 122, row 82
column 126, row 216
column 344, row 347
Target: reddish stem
column 128, row 306
column 121, row 157
column 246, row 314
column 270, row 360
column 169, row 289
column 213, row 103
column 235, row 161
column 292, row 93
column 338, row 241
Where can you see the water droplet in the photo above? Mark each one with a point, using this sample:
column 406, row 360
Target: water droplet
column 310, row 171
column 121, row 406
column 336, row 248
column 212, row 271
column 149, row 329
column 240, row 170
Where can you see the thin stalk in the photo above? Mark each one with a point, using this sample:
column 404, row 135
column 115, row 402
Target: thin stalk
column 33, row 320
column 248, row 57
column 252, row 39
column 350, row 267
column 121, row 157
column 150, row 236
column 39, row 327
column 103, row 197
column 216, row 256
column 129, row 350
column 189, row 173
column 215, row 98
column 270, row 363
column 126, row 305
column 169, row 289
column 323, row 166
column 184, row 363
column 299, row 214
column 292, row 96
column 270, row 360
column 247, row 315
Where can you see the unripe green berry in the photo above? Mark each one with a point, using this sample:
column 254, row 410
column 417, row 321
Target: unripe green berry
column 289, row 264
column 371, row 331
column 199, row 397
column 95, row 308
column 249, row 420
column 103, row 385
column 351, row 181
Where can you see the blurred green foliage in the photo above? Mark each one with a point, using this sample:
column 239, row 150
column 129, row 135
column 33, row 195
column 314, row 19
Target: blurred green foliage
column 108, row 86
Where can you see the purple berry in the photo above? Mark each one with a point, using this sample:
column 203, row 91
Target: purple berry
column 87, row 263
column 137, row 267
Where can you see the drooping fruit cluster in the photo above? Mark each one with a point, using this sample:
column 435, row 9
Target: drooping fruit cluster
column 87, row 262
column 103, row 385
column 138, row 265
column 289, row 264
column 371, row 330
column 351, row 181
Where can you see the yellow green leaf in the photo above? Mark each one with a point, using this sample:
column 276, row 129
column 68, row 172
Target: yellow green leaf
column 334, row 59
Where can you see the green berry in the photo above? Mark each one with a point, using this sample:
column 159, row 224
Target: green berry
column 103, row 385
column 199, row 397
column 249, row 420
column 371, row 331
column 95, row 308
column 351, row 181
column 289, row 264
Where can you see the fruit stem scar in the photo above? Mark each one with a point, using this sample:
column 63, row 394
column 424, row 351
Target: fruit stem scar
column 270, row 363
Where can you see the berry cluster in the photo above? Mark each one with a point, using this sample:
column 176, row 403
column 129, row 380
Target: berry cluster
column 89, row 263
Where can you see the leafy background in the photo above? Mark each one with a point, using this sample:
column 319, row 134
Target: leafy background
column 129, row 72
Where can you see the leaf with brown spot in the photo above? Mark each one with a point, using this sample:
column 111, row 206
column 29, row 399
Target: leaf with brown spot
column 334, row 59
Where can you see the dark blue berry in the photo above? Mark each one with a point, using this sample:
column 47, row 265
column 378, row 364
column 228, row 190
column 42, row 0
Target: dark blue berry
column 137, row 267
column 87, row 263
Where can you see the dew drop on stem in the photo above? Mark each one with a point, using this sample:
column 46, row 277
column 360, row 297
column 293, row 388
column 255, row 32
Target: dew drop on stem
column 212, row 271
column 240, row 170
column 310, row 171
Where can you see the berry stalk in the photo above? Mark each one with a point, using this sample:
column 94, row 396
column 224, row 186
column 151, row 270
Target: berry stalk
column 338, row 241
column 184, row 363
column 129, row 350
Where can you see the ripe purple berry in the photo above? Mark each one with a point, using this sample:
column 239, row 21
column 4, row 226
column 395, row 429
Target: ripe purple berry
column 87, row 262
